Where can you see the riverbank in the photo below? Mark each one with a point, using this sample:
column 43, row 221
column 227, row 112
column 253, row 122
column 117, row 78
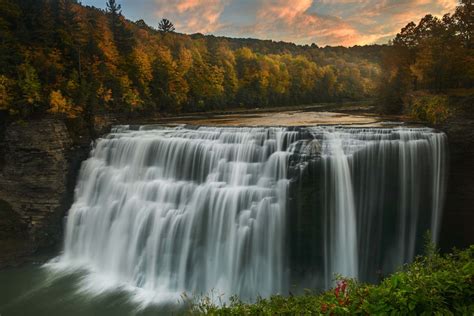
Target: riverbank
column 357, row 114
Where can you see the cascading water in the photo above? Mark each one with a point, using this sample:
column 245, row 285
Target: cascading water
column 249, row 211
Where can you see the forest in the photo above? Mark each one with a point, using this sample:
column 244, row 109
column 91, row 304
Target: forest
column 58, row 56
column 430, row 65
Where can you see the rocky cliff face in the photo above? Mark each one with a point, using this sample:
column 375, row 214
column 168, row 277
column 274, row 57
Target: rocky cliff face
column 38, row 169
column 458, row 219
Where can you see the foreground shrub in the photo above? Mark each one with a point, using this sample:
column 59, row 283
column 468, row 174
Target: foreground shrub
column 432, row 285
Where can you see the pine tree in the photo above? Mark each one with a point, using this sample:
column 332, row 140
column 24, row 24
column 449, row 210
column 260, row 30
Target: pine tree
column 166, row 26
column 123, row 37
column 113, row 8
column 115, row 12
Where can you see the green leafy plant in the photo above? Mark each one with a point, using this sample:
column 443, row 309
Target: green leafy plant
column 433, row 284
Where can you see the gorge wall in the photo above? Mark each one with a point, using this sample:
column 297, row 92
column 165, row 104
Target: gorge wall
column 38, row 166
column 457, row 227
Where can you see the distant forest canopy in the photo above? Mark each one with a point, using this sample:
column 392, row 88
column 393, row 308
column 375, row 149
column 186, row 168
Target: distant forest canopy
column 61, row 57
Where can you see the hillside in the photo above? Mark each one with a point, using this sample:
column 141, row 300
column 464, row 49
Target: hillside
column 61, row 57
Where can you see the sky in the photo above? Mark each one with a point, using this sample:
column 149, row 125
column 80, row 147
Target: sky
column 324, row 22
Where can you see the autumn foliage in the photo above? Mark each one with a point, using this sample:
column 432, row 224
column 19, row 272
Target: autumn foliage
column 426, row 62
column 58, row 56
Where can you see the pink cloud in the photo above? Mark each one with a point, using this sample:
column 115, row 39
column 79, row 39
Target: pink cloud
column 284, row 10
column 387, row 17
column 293, row 21
column 192, row 16
column 325, row 22
column 370, row 21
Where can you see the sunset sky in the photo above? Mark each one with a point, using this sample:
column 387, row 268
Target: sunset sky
column 324, row 22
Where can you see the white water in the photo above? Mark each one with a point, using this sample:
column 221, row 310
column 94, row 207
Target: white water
column 173, row 210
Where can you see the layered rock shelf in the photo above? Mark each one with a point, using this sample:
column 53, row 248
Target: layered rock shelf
column 37, row 175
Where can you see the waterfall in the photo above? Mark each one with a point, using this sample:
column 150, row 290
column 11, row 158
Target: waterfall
column 173, row 210
column 341, row 253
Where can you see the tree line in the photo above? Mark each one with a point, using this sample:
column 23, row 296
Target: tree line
column 436, row 55
column 59, row 56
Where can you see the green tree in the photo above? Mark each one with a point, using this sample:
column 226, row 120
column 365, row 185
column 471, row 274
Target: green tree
column 115, row 11
column 30, row 89
column 122, row 34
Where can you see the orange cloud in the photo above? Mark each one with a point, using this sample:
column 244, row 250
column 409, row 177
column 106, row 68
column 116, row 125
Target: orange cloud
column 325, row 22
column 293, row 21
column 387, row 17
column 284, row 10
column 192, row 16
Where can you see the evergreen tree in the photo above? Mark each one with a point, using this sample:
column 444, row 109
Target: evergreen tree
column 123, row 36
column 165, row 25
